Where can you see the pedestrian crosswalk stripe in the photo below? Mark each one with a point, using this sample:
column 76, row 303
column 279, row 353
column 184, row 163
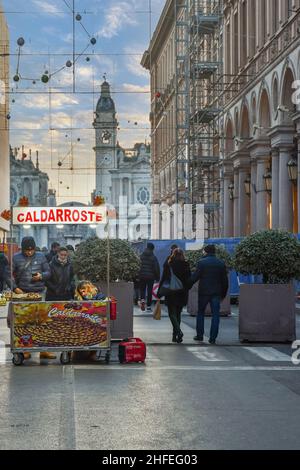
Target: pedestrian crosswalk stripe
column 208, row 354
column 269, row 354
column 151, row 357
column 223, row 368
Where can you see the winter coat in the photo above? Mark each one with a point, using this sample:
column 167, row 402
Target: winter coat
column 150, row 270
column 24, row 267
column 4, row 272
column 61, row 285
column 211, row 273
column 182, row 270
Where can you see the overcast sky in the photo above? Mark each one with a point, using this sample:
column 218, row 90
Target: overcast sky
column 123, row 30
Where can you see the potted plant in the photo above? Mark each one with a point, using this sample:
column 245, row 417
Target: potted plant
column 90, row 262
column 267, row 310
column 193, row 257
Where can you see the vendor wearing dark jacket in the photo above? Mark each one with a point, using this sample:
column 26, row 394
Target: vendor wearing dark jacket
column 149, row 273
column 213, row 286
column 61, row 285
column 178, row 299
column 31, row 269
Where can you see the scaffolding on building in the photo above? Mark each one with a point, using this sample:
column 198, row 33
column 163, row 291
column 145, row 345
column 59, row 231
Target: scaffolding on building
column 199, row 96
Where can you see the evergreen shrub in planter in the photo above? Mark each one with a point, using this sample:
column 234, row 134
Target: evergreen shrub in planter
column 193, row 257
column 267, row 311
column 90, row 263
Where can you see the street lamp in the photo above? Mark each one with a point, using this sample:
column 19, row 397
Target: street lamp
column 231, row 191
column 268, row 181
column 247, row 184
column 293, row 170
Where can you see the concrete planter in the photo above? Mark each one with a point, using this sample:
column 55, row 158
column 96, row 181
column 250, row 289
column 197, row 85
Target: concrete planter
column 192, row 306
column 267, row 313
column 122, row 327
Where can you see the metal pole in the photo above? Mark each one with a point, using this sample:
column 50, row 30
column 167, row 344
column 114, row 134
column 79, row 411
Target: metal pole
column 74, row 50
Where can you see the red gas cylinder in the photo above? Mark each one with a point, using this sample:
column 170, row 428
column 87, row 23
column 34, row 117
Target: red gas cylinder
column 113, row 308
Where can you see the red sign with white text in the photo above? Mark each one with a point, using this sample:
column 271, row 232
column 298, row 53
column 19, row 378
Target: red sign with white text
column 59, row 215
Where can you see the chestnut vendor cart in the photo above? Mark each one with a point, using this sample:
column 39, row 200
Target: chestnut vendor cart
column 65, row 327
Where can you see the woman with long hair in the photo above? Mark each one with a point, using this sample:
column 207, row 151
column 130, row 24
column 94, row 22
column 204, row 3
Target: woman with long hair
column 175, row 301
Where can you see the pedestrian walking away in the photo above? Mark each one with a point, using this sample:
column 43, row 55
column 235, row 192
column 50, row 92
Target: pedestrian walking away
column 61, row 285
column 5, row 277
column 53, row 252
column 149, row 273
column 178, row 267
column 211, row 273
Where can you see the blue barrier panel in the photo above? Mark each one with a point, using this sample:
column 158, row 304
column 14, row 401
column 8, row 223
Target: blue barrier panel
column 163, row 248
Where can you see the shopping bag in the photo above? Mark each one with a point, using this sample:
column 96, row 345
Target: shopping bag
column 157, row 311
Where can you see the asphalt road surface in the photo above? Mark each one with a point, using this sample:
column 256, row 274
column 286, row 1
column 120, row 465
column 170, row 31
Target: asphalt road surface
column 185, row 397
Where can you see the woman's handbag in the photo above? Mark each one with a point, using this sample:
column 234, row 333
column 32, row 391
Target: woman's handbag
column 157, row 311
column 172, row 286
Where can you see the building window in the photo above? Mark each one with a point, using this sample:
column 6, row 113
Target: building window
column 275, row 16
column 235, row 49
column 143, row 196
column 244, row 51
column 252, row 28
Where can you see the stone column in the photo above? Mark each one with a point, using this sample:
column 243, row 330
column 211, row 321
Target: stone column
column 261, row 196
column 236, row 214
column 275, row 188
column 243, row 203
column 228, row 209
column 298, row 183
column 253, row 196
column 283, row 139
column 285, row 191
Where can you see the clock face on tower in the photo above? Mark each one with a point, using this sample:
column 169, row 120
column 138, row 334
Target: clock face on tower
column 105, row 160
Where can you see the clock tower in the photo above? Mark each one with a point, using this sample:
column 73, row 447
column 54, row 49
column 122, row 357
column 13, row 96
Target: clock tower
column 105, row 124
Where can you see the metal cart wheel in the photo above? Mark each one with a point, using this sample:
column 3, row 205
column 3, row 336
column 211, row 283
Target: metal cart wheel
column 65, row 358
column 18, row 359
column 107, row 357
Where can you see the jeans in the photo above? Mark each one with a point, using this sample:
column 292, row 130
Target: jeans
column 215, row 304
column 175, row 317
column 149, row 286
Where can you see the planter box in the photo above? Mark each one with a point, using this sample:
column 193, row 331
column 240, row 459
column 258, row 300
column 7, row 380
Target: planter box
column 267, row 313
column 192, row 306
column 122, row 327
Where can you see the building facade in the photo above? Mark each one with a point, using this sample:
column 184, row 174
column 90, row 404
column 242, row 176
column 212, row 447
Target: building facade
column 261, row 119
column 4, row 124
column 184, row 62
column 122, row 174
column 231, row 66
column 27, row 180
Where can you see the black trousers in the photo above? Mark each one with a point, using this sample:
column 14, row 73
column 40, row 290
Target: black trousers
column 175, row 317
column 146, row 285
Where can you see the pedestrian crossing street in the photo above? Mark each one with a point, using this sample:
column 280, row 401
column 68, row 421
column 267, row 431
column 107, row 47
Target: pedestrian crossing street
column 191, row 358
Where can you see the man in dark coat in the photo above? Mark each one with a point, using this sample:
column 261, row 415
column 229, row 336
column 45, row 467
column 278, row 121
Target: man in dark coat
column 61, row 285
column 149, row 273
column 213, row 286
column 31, row 271
column 30, row 268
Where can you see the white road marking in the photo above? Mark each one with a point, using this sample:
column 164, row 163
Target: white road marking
column 143, row 368
column 269, row 354
column 208, row 354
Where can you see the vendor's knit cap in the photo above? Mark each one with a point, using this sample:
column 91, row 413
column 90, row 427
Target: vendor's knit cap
column 27, row 243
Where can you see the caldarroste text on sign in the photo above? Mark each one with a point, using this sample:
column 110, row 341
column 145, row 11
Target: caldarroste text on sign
column 59, row 215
